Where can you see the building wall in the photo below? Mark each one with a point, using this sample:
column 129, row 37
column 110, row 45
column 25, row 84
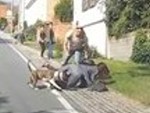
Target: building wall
column 37, row 11
column 21, row 14
column 3, row 11
column 121, row 49
column 94, row 26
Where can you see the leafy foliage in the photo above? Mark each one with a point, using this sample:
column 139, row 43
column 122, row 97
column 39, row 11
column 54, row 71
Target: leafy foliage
column 31, row 31
column 3, row 23
column 124, row 16
column 63, row 10
column 141, row 48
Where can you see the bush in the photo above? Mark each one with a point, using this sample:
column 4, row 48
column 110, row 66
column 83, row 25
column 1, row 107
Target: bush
column 124, row 16
column 3, row 23
column 94, row 53
column 30, row 31
column 141, row 48
column 63, row 11
column 58, row 50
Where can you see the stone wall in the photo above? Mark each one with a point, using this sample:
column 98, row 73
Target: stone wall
column 121, row 49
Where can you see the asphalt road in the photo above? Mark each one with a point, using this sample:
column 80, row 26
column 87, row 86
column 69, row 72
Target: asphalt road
column 15, row 95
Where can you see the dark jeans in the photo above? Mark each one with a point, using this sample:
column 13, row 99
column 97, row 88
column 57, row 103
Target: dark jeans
column 78, row 56
column 50, row 47
column 43, row 47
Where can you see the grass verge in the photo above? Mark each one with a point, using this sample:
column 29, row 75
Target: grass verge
column 131, row 79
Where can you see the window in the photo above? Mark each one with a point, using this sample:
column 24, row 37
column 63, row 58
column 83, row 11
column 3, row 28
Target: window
column 87, row 4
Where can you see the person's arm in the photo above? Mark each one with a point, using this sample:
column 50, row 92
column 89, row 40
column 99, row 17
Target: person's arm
column 85, row 41
column 64, row 68
column 38, row 36
column 66, row 44
column 52, row 36
column 67, row 40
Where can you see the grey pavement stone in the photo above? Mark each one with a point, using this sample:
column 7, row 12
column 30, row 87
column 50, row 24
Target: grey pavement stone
column 90, row 102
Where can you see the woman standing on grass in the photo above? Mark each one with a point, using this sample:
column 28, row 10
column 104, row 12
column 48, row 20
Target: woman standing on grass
column 41, row 36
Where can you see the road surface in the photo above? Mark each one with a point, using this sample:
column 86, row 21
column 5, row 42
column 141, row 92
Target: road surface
column 15, row 95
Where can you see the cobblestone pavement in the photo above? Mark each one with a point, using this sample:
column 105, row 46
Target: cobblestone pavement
column 90, row 102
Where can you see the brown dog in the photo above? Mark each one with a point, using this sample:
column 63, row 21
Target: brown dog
column 46, row 72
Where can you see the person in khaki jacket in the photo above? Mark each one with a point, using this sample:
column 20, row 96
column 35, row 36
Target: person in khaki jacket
column 75, row 42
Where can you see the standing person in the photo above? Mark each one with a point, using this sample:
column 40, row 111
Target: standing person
column 74, row 45
column 49, row 39
column 41, row 36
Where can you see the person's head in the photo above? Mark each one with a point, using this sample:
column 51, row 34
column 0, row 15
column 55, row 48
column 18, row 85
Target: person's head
column 79, row 32
column 41, row 27
column 49, row 24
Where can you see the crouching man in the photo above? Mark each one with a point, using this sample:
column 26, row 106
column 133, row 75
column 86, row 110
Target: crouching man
column 81, row 75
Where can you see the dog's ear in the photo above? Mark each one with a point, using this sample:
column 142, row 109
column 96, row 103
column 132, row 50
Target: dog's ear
column 45, row 65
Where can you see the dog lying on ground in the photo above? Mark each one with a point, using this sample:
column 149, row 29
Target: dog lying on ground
column 81, row 75
column 44, row 73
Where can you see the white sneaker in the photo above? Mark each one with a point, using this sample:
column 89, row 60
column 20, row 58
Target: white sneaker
column 36, row 88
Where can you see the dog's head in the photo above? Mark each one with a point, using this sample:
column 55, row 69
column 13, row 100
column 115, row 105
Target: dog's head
column 104, row 72
column 49, row 66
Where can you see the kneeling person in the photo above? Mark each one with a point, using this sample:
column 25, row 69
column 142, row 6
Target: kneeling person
column 72, row 75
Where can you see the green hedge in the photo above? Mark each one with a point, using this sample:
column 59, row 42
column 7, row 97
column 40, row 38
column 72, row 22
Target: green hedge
column 124, row 16
column 63, row 10
column 3, row 23
column 141, row 48
column 31, row 31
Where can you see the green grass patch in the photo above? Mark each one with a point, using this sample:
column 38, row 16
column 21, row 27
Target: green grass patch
column 131, row 79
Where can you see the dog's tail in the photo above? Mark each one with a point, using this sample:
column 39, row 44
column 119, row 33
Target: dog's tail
column 30, row 65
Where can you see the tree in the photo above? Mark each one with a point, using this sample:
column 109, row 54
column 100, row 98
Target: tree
column 125, row 16
column 64, row 10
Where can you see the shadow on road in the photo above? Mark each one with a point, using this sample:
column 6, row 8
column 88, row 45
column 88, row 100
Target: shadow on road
column 3, row 102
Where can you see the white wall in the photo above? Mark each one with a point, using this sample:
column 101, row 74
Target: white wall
column 21, row 13
column 95, row 27
column 38, row 11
